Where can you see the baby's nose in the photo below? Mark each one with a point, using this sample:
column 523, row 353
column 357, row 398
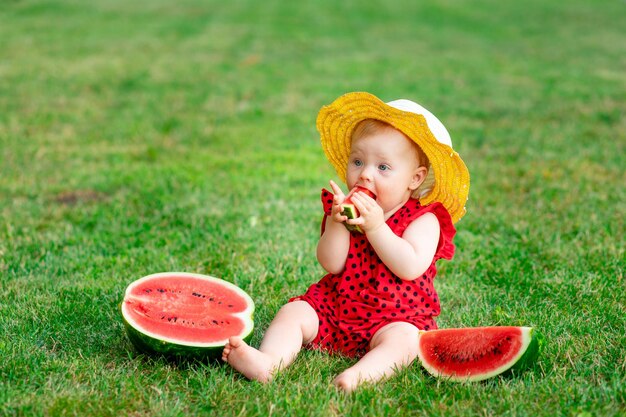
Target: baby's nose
column 366, row 173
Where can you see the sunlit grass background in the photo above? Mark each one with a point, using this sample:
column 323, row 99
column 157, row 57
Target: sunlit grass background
column 147, row 136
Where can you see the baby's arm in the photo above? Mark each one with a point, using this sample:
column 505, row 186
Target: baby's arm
column 334, row 244
column 408, row 256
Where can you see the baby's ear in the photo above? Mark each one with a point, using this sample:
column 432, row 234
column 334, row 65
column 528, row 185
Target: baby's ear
column 418, row 177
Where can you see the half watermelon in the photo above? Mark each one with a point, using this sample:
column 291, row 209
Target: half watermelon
column 349, row 210
column 183, row 314
column 477, row 353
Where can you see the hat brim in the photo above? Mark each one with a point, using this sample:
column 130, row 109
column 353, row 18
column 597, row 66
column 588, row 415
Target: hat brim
column 337, row 121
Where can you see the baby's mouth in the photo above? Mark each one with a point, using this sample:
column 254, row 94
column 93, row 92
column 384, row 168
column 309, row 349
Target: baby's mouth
column 363, row 189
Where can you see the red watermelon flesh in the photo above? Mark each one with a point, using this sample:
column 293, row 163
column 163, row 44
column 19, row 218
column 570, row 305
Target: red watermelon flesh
column 166, row 312
column 475, row 354
column 356, row 189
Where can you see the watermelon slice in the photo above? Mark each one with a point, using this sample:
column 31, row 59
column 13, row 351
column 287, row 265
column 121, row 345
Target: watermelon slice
column 350, row 211
column 183, row 314
column 477, row 353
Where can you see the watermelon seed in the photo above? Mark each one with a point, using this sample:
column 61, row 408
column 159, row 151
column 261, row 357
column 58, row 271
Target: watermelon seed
column 214, row 321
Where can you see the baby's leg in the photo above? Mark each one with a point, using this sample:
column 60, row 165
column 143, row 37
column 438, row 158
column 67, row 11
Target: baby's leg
column 393, row 347
column 295, row 324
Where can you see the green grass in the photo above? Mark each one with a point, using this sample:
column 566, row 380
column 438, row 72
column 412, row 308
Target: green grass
column 146, row 136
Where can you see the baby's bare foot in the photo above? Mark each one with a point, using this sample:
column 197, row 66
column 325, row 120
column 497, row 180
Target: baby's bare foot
column 252, row 363
column 348, row 380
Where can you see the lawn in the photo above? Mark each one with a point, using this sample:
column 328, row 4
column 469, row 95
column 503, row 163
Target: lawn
column 147, row 136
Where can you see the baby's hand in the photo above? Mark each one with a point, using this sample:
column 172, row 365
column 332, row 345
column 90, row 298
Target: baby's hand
column 338, row 200
column 371, row 215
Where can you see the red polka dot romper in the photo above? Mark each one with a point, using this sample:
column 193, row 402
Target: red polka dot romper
column 354, row 304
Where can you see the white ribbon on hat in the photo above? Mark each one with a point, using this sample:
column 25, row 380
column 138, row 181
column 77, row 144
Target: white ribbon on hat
column 436, row 127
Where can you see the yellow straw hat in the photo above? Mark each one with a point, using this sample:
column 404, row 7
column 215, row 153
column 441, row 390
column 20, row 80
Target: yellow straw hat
column 337, row 121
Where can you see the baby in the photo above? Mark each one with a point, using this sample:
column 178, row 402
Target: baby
column 409, row 187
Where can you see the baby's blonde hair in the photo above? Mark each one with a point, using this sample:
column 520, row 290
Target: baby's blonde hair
column 369, row 127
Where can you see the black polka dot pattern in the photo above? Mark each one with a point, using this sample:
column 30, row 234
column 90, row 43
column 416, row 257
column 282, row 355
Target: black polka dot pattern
column 355, row 304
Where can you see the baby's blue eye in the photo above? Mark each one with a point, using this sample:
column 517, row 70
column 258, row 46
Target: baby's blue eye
column 358, row 162
column 383, row 167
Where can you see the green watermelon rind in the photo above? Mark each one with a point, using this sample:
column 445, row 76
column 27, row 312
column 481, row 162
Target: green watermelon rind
column 153, row 344
column 350, row 212
column 529, row 357
column 532, row 344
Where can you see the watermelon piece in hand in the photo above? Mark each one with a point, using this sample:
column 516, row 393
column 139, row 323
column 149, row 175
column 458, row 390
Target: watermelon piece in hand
column 478, row 353
column 349, row 210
